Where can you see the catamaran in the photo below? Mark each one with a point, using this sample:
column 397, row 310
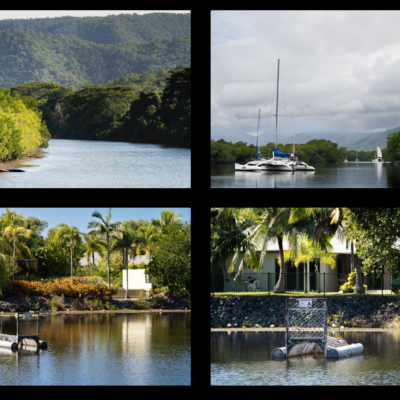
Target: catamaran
column 378, row 155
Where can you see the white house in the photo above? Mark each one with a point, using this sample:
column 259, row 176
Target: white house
column 319, row 276
column 137, row 280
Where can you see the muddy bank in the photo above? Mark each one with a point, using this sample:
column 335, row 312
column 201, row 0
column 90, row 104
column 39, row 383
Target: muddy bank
column 40, row 153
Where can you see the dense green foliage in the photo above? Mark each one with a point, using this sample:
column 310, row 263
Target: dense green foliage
column 376, row 231
column 146, row 82
column 393, row 145
column 21, row 128
column 112, row 29
column 27, row 56
column 316, row 150
column 117, row 112
column 171, row 260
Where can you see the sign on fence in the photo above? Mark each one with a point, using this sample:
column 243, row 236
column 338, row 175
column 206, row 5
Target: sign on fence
column 305, row 303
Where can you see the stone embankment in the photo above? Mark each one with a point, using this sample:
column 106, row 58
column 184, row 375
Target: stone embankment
column 362, row 312
column 26, row 303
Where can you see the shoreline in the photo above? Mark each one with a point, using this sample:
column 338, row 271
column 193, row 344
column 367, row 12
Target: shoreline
column 329, row 330
column 39, row 153
column 10, row 314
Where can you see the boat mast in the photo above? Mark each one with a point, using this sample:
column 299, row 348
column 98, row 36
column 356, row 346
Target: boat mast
column 259, row 110
column 277, row 95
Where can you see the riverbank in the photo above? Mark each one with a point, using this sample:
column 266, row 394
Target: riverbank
column 359, row 312
column 161, row 301
column 39, row 153
column 284, row 329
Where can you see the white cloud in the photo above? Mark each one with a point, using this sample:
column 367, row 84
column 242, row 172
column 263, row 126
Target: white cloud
column 338, row 67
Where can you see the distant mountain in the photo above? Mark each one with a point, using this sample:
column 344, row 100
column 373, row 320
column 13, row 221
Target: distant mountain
column 360, row 141
column 369, row 143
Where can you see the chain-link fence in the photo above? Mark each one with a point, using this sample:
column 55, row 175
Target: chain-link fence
column 319, row 283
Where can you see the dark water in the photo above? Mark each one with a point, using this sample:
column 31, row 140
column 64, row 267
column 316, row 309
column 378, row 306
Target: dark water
column 342, row 175
column 244, row 358
column 93, row 164
column 103, row 349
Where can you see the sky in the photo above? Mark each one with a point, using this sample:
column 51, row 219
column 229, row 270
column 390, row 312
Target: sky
column 80, row 217
column 338, row 69
column 10, row 14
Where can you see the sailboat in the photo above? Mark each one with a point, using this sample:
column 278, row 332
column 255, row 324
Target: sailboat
column 251, row 165
column 301, row 165
column 279, row 161
column 378, row 155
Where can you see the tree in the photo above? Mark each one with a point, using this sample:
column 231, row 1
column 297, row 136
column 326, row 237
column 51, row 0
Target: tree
column 167, row 219
column 328, row 223
column 72, row 234
column 150, row 236
column 377, row 233
column 107, row 229
column 93, row 243
column 130, row 242
column 393, row 146
column 171, row 262
column 13, row 234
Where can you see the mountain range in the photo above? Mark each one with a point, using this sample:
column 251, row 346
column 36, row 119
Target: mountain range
column 73, row 51
column 351, row 140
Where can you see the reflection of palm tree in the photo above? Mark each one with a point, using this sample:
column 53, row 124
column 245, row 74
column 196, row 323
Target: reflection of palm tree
column 107, row 229
column 71, row 234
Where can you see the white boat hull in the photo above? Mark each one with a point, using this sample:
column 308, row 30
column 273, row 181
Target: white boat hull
column 252, row 168
column 377, row 160
column 277, row 166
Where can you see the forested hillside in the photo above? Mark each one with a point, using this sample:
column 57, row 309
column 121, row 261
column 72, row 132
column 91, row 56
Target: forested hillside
column 27, row 56
column 112, row 29
column 116, row 112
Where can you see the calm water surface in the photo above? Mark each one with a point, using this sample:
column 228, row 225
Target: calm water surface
column 92, row 164
column 342, row 175
column 103, row 349
column 244, row 358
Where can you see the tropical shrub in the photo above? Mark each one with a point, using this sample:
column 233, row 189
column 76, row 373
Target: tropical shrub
column 140, row 304
column 61, row 287
column 350, row 285
column 157, row 302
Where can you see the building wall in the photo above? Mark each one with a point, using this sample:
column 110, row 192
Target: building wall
column 136, row 280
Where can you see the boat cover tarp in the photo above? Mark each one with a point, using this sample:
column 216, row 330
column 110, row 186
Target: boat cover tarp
column 277, row 153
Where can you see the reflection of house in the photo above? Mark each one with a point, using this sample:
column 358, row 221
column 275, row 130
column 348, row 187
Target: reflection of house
column 319, row 276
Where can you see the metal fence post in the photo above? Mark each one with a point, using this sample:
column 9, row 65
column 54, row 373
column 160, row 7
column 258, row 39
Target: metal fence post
column 383, row 275
column 268, row 283
column 324, row 284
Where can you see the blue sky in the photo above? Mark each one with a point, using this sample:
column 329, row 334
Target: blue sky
column 81, row 216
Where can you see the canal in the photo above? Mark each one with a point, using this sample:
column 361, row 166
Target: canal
column 244, row 358
column 103, row 349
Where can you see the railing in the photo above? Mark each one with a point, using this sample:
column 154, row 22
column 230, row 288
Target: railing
column 295, row 283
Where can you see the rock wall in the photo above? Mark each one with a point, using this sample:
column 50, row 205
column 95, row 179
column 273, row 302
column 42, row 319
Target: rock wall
column 363, row 311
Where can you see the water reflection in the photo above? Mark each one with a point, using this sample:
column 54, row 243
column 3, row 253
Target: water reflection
column 103, row 349
column 244, row 358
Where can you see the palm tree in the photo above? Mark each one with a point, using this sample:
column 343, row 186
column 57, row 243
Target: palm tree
column 328, row 224
column 168, row 218
column 13, row 234
column 130, row 242
column 108, row 229
column 70, row 233
column 93, row 244
column 267, row 224
column 150, row 236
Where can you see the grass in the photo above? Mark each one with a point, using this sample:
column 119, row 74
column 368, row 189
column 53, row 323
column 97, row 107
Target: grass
column 297, row 294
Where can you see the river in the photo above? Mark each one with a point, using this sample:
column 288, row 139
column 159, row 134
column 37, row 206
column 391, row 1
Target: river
column 342, row 175
column 244, row 358
column 99, row 164
column 103, row 349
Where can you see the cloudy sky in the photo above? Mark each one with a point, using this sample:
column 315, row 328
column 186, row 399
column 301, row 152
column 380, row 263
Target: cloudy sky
column 16, row 14
column 338, row 69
